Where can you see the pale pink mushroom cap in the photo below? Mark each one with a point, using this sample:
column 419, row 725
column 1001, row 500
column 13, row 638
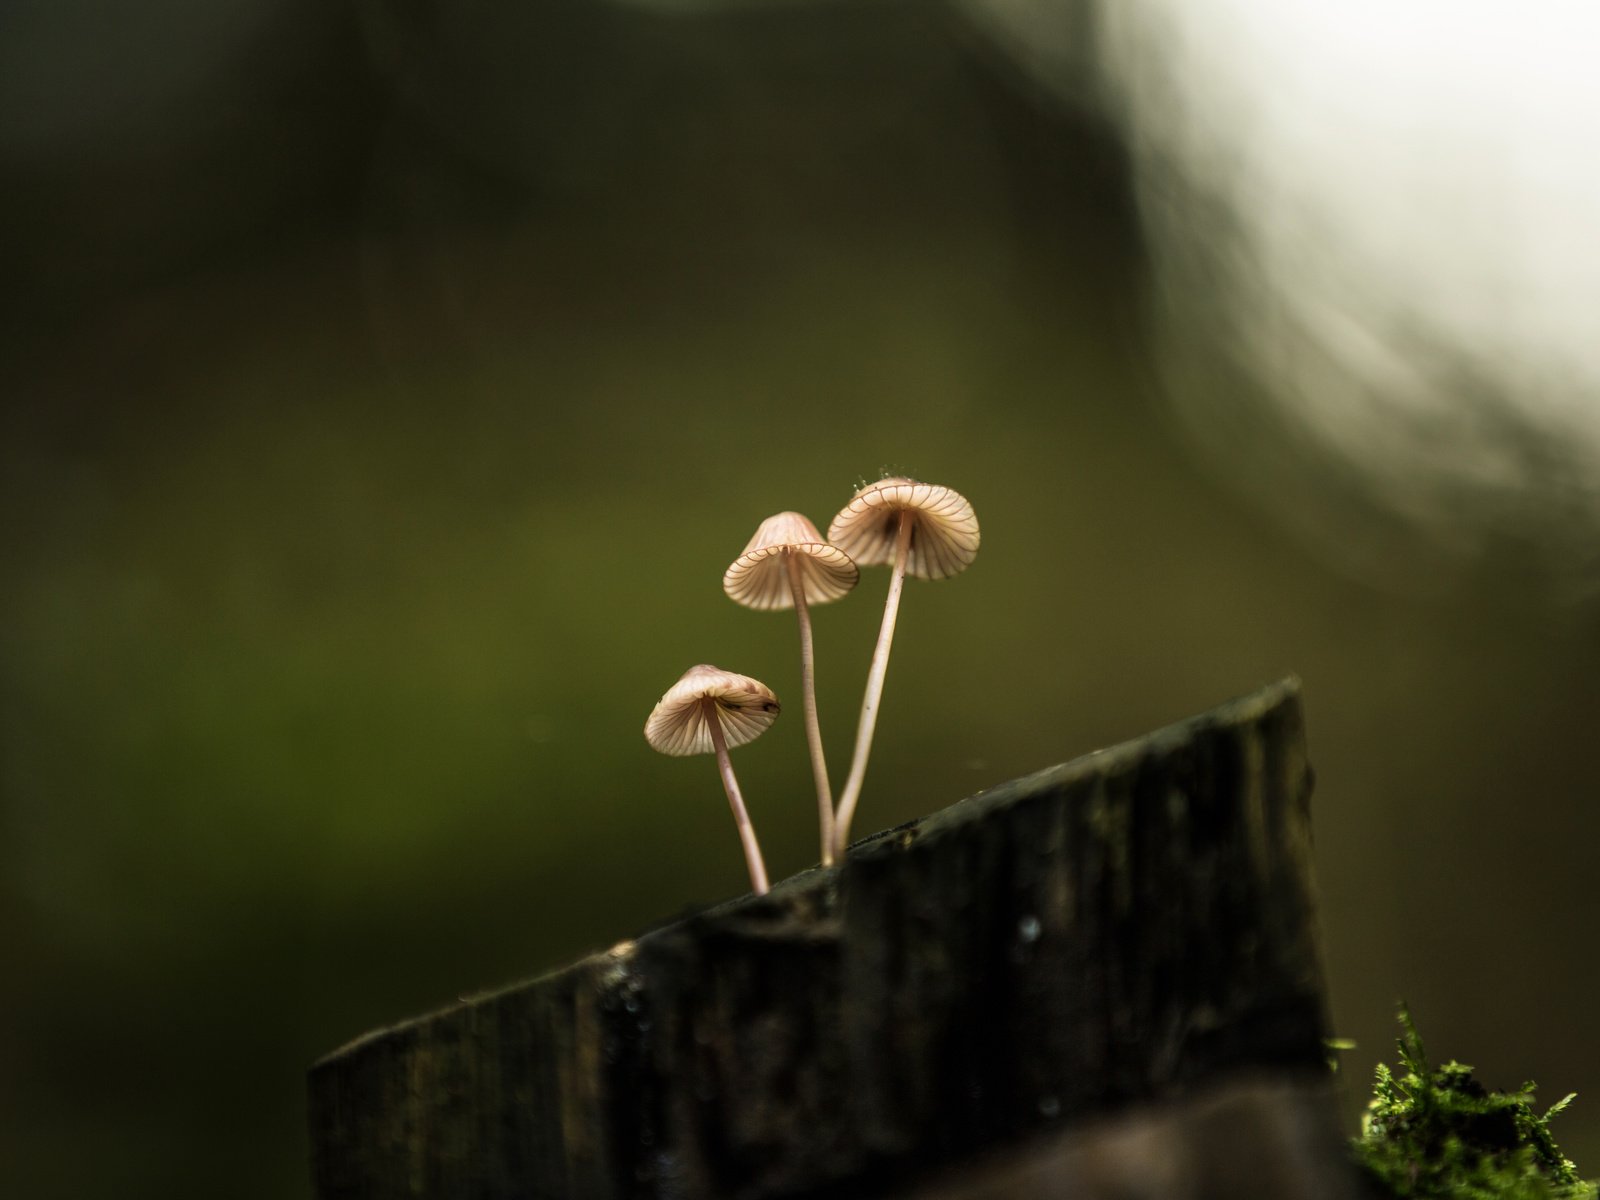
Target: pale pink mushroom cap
column 745, row 707
column 944, row 539
column 759, row 578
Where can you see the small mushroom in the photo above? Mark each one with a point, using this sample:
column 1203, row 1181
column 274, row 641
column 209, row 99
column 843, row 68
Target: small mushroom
column 919, row 529
column 709, row 710
column 788, row 565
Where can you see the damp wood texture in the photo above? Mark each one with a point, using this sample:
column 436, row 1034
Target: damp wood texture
column 1102, row 978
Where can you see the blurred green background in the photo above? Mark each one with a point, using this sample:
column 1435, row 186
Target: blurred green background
column 386, row 387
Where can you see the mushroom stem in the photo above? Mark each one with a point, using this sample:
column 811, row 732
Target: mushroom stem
column 741, row 818
column 808, row 687
column 875, row 676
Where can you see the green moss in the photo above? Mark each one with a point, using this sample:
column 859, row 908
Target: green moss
column 1438, row 1132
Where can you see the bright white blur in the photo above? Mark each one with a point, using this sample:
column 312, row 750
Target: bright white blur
column 1398, row 205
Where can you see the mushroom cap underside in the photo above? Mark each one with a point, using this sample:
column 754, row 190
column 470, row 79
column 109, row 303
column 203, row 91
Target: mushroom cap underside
column 760, row 578
column 944, row 536
column 679, row 724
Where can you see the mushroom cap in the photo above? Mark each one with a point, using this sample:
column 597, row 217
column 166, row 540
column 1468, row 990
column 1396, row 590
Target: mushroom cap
column 944, row 540
column 744, row 707
column 759, row 578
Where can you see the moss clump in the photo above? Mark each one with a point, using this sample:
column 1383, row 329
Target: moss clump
column 1440, row 1133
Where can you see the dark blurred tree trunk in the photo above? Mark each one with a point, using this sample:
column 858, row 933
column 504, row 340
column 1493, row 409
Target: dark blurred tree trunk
column 1104, row 974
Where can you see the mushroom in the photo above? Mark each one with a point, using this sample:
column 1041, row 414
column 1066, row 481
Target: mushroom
column 919, row 529
column 708, row 710
column 788, row 565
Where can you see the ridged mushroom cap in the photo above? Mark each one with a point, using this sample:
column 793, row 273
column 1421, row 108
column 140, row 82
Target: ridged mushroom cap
column 678, row 726
column 944, row 540
column 759, row 578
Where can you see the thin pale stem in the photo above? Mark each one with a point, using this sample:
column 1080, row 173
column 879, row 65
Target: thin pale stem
column 741, row 818
column 808, row 688
column 874, row 693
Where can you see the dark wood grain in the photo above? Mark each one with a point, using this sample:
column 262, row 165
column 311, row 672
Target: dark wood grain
column 1130, row 929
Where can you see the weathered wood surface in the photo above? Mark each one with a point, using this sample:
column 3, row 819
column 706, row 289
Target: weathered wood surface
column 1129, row 929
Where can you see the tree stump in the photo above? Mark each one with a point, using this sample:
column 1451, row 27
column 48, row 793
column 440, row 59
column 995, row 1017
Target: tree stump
column 1107, row 964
